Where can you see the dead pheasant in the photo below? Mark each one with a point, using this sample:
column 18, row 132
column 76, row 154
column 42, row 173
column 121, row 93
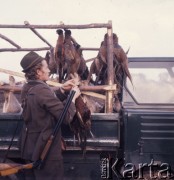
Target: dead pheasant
column 49, row 57
column 69, row 54
column 74, row 57
column 99, row 65
column 81, row 123
column 59, row 54
column 120, row 63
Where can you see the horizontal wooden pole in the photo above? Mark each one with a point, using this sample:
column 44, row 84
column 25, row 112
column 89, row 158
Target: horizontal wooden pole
column 87, row 88
column 57, row 85
column 93, row 94
column 24, row 49
column 17, row 89
column 89, row 49
column 62, row 26
column 13, row 73
column 40, row 49
column 11, row 88
column 99, row 88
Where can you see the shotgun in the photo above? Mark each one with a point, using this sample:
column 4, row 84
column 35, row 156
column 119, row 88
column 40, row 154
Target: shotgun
column 8, row 169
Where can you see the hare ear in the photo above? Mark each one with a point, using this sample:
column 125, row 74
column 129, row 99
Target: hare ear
column 11, row 81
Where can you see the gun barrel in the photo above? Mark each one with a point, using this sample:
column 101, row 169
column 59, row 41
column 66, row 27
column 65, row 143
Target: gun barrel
column 56, row 129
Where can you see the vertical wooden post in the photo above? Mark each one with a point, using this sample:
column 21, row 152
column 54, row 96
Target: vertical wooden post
column 110, row 71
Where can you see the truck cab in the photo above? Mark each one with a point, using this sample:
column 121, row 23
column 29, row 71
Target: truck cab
column 148, row 113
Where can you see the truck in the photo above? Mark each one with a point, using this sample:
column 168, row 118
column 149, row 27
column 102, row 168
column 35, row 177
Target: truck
column 135, row 143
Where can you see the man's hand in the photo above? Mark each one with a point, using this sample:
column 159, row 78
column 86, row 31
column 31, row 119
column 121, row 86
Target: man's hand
column 67, row 86
column 77, row 94
column 76, row 78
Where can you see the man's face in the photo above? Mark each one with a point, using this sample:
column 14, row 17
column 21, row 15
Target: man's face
column 44, row 72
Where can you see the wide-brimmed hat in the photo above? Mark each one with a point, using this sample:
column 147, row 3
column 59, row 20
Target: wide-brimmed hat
column 30, row 60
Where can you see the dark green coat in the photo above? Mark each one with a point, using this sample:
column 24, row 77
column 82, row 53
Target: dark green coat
column 42, row 108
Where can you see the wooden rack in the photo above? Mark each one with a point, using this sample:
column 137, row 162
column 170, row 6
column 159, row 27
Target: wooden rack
column 32, row 27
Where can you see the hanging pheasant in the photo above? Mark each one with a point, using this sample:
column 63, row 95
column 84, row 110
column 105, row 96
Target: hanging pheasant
column 59, row 54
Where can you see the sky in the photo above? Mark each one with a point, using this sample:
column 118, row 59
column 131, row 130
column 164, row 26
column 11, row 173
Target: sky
column 146, row 26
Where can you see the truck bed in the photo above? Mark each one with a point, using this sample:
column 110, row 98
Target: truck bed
column 104, row 134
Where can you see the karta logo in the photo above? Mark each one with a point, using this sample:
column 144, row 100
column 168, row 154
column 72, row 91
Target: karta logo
column 150, row 170
column 105, row 167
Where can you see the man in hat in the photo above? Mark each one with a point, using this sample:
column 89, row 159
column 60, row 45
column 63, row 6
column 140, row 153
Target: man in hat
column 41, row 109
